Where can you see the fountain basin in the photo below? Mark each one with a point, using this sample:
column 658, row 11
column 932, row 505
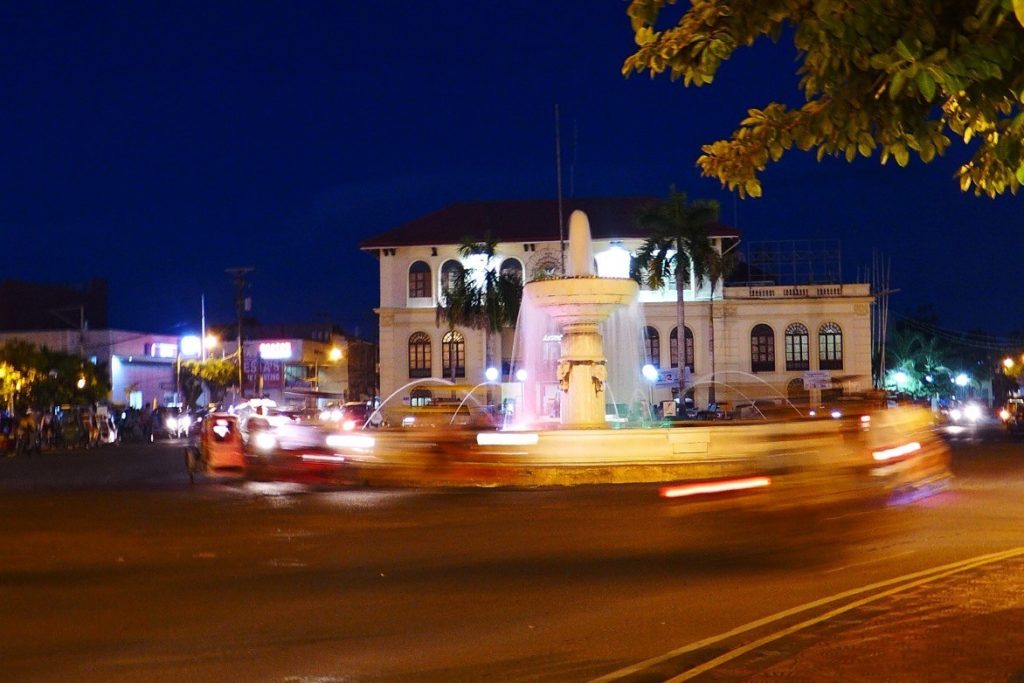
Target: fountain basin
column 581, row 299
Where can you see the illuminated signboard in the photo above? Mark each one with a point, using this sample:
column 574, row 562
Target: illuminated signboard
column 163, row 350
column 275, row 350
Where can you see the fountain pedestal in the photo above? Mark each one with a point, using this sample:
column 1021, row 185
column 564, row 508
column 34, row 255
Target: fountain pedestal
column 579, row 303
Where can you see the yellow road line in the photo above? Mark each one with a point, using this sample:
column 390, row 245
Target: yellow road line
column 907, row 580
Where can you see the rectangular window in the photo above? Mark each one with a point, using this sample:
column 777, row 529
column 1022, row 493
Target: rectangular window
column 418, row 285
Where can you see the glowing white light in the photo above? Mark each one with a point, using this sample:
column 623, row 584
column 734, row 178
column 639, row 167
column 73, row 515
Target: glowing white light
column 898, row 451
column 323, row 458
column 348, row 425
column 491, row 374
column 682, row 490
column 185, row 422
column 1004, row 414
column 507, row 439
column 955, row 429
column 325, row 415
column 264, row 441
column 276, row 350
column 956, row 414
column 521, row 375
column 350, row 441
column 172, row 423
column 649, row 372
column 865, row 418
column 972, row 412
column 613, row 262
column 163, row 350
column 812, row 413
column 962, row 380
column 836, row 414
column 901, row 378
column 191, row 345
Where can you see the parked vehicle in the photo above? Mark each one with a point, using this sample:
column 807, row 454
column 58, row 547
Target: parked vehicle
column 1012, row 415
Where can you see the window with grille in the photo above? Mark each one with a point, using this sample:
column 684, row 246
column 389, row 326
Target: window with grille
column 419, row 355
column 830, row 347
column 798, row 352
column 419, row 280
column 652, row 347
column 762, row 349
column 453, row 350
column 673, row 347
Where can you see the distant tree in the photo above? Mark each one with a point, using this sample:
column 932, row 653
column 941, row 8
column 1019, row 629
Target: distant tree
column 895, row 75
column 675, row 250
column 48, row 378
column 217, row 373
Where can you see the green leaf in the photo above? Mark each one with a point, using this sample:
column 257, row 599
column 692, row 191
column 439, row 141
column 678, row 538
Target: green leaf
column 926, row 84
column 1020, row 171
column 899, row 151
column 904, row 51
column 899, row 79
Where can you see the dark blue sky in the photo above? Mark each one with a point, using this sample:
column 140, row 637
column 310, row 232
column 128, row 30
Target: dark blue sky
column 156, row 144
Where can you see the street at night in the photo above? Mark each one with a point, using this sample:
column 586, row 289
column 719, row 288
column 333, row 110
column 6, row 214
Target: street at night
column 116, row 569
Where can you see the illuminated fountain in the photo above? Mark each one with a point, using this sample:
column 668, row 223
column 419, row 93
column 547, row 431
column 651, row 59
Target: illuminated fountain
column 578, row 303
column 592, row 317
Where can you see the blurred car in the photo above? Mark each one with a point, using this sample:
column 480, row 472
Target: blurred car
column 351, row 416
column 1012, row 415
column 170, row 423
column 296, row 451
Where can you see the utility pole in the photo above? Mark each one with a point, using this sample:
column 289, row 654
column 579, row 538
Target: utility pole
column 238, row 277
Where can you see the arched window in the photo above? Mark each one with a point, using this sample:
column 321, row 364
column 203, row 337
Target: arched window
column 797, row 393
column 762, row 349
column 673, row 347
column 419, row 280
column 512, row 268
column 451, row 276
column 419, row 355
column 798, row 352
column 419, row 398
column 652, row 347
column 830, row 347
column 453, row 350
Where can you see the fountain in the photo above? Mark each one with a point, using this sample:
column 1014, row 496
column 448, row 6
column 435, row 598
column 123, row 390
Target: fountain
column 581, row 310
column 578, row 303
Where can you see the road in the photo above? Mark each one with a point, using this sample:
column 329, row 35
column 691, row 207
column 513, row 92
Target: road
column 113, row 568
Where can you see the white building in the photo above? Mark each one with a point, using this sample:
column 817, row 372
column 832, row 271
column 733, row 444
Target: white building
column 769, row 339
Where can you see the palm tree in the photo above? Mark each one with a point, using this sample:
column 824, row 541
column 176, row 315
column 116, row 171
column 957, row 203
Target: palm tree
column 496, row 300
column 455, row 308
column 676, row 250
column 490, row 305
column 719, row 267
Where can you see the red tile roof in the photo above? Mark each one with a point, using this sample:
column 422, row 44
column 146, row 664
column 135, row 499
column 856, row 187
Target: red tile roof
column 531, row 220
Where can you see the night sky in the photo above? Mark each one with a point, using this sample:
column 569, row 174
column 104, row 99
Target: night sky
column 156, row 144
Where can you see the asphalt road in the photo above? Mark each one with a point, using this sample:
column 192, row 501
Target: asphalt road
column 113, row 568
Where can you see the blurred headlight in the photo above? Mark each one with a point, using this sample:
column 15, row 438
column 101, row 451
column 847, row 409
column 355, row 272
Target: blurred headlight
column 348, row 425
column 836, row 414
column 956, row 415
column 972, row 412
column 264, row 441
column 325, row 415
column 185, row 422
column 172, row 423
column 1004, row 414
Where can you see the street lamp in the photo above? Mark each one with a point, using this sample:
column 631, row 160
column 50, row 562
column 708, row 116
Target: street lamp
column 1008, row 363
column 491, row 374
column 650, row 373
